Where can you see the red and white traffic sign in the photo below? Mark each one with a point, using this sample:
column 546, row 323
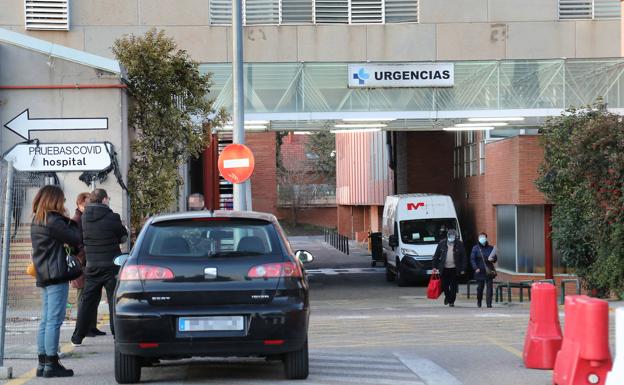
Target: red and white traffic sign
column 236, row 163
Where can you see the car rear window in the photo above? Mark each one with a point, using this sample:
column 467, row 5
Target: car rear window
column 210, row 237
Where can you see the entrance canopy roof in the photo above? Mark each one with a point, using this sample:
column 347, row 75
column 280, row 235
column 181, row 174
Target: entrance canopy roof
column 315, row 96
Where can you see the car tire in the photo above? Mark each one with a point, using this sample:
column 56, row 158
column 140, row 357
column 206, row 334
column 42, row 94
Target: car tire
column 296, row 364
column 389, row 273
column 127, row 368
column 401, row 280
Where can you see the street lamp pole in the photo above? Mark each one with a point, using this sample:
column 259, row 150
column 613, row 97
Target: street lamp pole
column 238, row 106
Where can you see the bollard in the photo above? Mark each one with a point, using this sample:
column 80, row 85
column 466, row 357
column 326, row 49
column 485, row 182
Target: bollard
column 616, row 376
column 543, row 337
column 584, row 357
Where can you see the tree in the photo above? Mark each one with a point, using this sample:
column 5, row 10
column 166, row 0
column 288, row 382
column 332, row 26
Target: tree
column 322, row 145
column 294, row 186
column 170, row 113
column 583, row 176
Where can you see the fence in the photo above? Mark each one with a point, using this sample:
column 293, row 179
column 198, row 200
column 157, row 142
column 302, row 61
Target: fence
column 23, row 302
column 336, row 240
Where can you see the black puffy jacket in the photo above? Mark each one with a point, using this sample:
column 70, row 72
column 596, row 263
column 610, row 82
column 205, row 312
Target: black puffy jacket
column 48, row 247
column 459, row 256
column 102, row 232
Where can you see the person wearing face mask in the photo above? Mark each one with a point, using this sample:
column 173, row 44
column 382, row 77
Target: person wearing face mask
column 450, row 259
column 481, row 254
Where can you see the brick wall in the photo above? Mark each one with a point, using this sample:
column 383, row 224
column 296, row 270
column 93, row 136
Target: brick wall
column 264, row 178
column 511, row 169
column 429, row 161
column 318, row 216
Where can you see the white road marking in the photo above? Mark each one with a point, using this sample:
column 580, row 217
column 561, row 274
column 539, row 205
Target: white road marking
column 353, row 317
column 353, row 270
column 493, row 315
column 430, row 372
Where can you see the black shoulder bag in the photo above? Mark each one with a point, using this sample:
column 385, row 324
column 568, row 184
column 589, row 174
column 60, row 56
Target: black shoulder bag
column 489, row 272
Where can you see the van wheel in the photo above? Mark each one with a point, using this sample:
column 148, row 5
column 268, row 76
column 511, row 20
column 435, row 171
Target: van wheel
column 296, row 364
column 400, row 277
column 389, row 273
column 127, row 368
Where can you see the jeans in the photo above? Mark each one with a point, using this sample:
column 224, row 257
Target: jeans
column 449, row 284
column 54, row 305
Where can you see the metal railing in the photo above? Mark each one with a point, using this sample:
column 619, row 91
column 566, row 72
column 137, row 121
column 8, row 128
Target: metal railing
column 336, row 240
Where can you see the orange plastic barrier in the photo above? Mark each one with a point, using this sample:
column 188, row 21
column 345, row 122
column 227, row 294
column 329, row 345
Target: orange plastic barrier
column 543, row 338
column 584, row 357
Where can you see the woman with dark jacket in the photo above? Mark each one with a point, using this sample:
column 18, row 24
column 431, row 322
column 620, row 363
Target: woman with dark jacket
column 483, row 253
column 50, row 231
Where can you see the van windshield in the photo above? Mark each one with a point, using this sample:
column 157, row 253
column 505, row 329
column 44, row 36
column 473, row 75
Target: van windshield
column 425, row 231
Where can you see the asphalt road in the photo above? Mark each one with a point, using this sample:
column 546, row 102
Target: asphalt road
column 363, row 330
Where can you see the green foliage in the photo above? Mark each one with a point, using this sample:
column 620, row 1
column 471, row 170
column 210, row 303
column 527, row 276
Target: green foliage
column 583, row 176
column 170, row 113
column 323, row 145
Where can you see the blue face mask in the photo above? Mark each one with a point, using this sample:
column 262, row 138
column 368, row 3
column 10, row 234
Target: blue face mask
column 451, row 238
column 482, row 240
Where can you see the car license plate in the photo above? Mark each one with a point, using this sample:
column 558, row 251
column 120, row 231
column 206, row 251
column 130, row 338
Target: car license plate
column 429, row 272
column 210, row 324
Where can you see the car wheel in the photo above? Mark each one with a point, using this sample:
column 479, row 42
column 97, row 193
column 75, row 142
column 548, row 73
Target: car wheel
column 401, row 280
column 127, row 368
column 296, row 363
column 389, row 273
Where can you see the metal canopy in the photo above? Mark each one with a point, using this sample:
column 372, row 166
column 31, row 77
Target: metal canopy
column 314, row 96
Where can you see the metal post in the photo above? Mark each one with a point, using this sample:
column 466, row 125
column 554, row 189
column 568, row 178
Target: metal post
column 238, row 106
column 4, row 273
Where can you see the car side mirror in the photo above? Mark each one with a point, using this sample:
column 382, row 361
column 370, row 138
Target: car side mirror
column 304, row 256
column 121, row 259
column 393, row 240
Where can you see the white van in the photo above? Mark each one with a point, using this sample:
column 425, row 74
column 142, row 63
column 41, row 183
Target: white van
column 413, row 225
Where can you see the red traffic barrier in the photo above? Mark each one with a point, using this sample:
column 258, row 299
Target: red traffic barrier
column 543, row 338
column 584, row 357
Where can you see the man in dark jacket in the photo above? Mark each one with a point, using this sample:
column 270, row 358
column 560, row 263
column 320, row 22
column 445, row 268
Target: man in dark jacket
column 78, row 284
column 450, row 259
column 102, row 233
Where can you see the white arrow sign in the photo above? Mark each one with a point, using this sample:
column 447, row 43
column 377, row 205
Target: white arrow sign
column 59, row 156
column 22, row 124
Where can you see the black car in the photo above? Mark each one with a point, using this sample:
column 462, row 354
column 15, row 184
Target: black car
column 207, row 283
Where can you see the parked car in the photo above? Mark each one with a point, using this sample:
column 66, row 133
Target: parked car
column 412, row 227
column 207, row 283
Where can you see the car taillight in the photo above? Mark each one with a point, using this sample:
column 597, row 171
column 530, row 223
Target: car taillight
column 145, row 273
column 275, row 270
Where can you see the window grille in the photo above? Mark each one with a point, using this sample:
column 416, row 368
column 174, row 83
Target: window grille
column 366, row 12
column 297, row 12
column 221, row 12
column 47, row 14
column 401, row 11
column 589, row 9
column 261, row 12
column 332, row 11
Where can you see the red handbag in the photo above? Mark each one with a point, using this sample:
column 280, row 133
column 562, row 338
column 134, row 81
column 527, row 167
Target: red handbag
column 434, row 289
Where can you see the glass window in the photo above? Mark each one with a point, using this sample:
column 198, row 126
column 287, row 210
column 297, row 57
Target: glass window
column 426, row 231
column 506, row 236
column 210, row 238
column 482, row 157
column 530, row 239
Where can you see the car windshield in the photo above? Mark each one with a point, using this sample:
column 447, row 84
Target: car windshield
column 210, row 237
column 425, row 231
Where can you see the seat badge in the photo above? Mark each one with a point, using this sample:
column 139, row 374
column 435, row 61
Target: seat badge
column 210, row 272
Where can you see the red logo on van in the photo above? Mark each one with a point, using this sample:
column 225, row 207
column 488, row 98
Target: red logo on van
column 412, row 206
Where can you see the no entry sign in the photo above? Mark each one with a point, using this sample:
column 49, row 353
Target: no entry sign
column 236, row 163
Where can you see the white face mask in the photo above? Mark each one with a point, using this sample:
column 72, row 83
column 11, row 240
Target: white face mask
column 451, row 239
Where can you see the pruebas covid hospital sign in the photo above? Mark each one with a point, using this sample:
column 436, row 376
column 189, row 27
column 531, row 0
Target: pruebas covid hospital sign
column 401, row 75
column 60, row 156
